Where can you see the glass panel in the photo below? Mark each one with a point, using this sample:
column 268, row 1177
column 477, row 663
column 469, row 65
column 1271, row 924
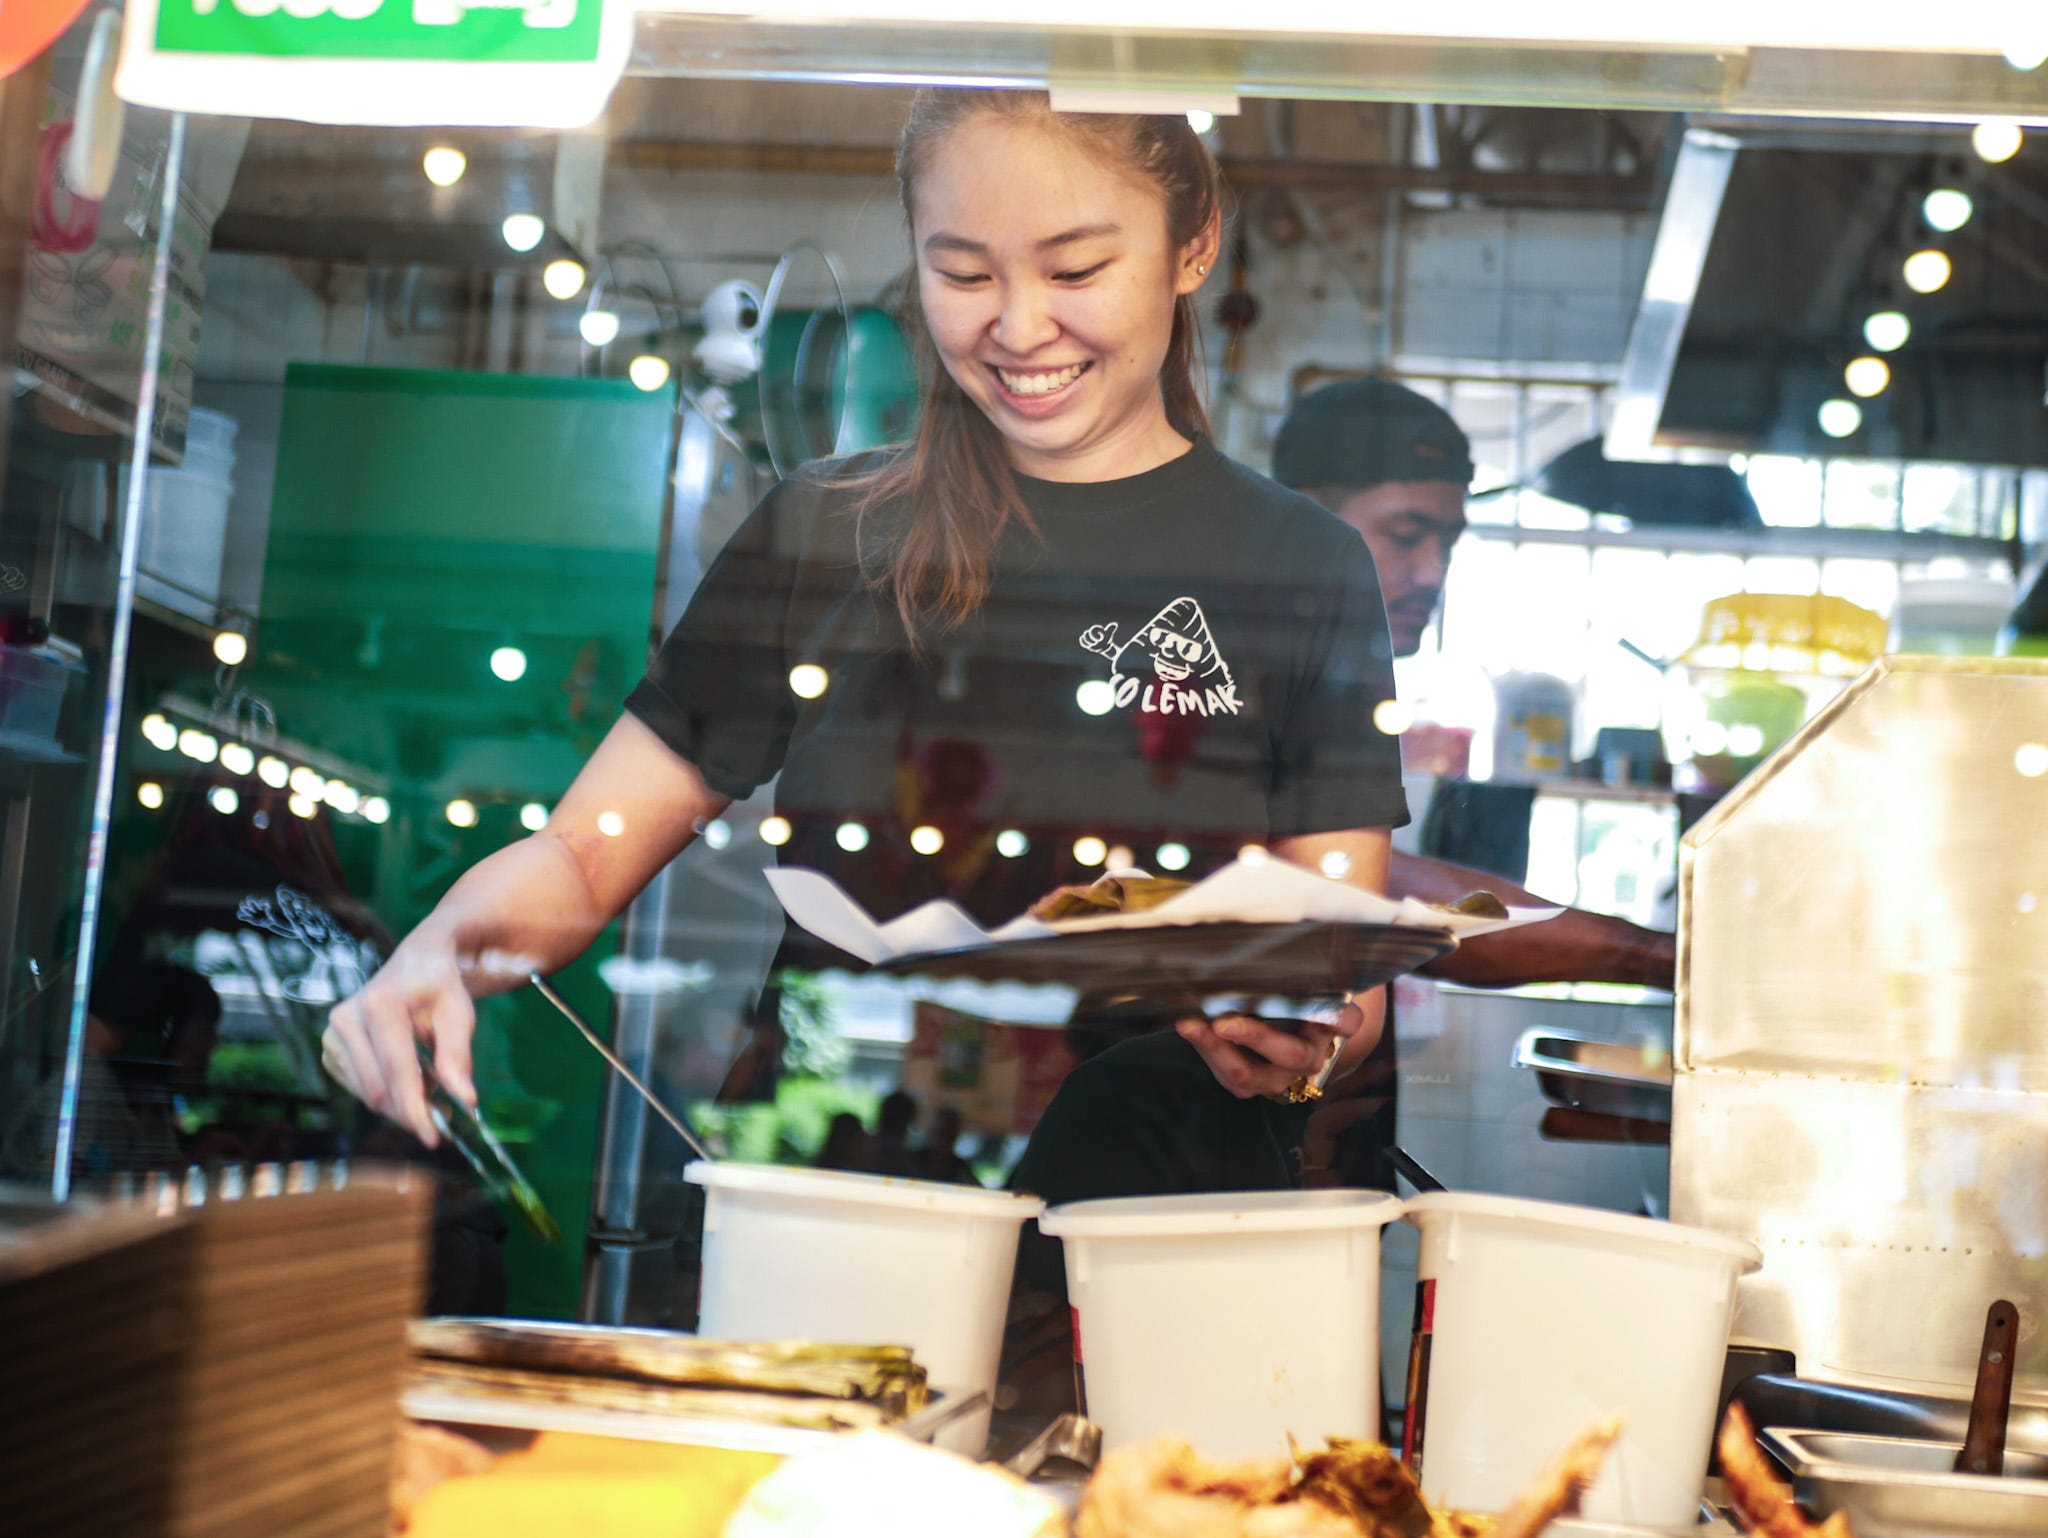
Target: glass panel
column 1787, row 491
column 95, row 1053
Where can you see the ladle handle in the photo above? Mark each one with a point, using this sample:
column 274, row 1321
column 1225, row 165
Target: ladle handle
column 1984, row 1444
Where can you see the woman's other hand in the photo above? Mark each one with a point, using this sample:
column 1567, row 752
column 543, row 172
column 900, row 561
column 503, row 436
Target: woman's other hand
column 1252, row 1057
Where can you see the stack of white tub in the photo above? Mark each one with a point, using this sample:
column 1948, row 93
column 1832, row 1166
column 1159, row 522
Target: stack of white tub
column 1239, row 1320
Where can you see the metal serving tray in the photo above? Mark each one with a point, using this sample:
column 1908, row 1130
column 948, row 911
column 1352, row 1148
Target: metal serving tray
column 1609, row 1077
column 1899, row 1487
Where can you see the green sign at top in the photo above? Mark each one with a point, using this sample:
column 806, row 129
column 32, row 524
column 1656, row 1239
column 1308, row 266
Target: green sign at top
column 439, row 31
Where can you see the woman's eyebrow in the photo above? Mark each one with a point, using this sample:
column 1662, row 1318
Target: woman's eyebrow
column 941, row 241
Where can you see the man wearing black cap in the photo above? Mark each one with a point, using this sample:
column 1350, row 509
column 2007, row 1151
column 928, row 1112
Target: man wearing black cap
column 1394, row 466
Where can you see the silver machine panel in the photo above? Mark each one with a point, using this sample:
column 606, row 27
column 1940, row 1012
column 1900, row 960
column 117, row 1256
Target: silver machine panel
column 1861, row 1049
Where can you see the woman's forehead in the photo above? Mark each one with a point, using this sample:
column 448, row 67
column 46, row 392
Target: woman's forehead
column 1012, row 181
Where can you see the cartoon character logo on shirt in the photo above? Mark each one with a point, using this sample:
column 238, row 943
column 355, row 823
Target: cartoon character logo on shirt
column 1170, row 667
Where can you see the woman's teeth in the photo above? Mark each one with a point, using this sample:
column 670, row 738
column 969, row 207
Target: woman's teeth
column 1040, row 384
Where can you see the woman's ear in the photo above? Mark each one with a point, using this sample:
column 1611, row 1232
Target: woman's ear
column 1198, row 256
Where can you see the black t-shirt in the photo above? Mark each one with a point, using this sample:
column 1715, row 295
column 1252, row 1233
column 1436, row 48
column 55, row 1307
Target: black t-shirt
column 1189, row 656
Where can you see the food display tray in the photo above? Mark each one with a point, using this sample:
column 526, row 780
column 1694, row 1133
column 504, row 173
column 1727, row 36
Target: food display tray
column 1302, row 961
column 1901, row 1487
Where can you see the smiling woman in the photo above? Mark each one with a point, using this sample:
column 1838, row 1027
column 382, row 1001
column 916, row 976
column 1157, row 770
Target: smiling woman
column 1058, row 612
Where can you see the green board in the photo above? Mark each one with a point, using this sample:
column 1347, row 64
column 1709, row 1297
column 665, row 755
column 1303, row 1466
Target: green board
column 420, row 522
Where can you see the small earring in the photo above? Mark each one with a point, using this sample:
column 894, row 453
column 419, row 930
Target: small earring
column 1201, row 271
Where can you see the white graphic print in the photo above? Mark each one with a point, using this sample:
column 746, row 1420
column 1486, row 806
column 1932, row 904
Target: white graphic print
column 1170, row 667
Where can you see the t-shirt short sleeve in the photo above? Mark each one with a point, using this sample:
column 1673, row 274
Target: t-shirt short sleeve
column 718, row 692
column 1334, row 768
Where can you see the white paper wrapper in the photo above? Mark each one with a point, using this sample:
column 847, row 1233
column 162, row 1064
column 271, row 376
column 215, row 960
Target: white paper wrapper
column 1244, row 891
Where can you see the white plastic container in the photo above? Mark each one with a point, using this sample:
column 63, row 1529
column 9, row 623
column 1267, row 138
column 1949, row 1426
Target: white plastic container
column 1231, row 1319
column 1535, row 1319
column 799, row 1254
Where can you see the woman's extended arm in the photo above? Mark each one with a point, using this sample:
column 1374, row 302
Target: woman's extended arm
column 531, row 907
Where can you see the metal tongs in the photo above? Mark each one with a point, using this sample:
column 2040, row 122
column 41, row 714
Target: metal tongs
column 502, row 1179
column 547, row 991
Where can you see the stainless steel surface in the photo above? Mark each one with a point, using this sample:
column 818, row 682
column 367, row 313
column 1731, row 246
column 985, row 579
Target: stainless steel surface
column 1901, row 1455
column 1692, row 207
column 1073, row 1439
column 1774, row 1400
column 1886, row 1492
column 1612, row 1078
column 564, row 1008
column 1895, row 84
column 1861, row 1070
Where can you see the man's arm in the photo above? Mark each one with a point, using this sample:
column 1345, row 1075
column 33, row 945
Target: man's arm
column 1574, row 947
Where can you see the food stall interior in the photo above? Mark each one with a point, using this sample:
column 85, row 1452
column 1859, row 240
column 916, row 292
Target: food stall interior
column 352, row 472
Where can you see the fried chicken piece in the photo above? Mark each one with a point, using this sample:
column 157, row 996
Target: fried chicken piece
column 1760, row 1497
column 426, row 1456
column 1105, row 896
column 1166, row 1490
column 1557, row 1491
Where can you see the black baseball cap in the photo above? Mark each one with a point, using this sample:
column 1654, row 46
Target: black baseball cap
column 1360, row 433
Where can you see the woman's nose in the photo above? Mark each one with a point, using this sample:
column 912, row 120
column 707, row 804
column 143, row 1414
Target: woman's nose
column 1026, row 321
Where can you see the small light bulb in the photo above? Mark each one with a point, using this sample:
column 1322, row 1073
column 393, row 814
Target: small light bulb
column 1252, row 854
column 343, row 797
column 237, row 759
column 807, row 680
column 1012, row 845
column 199, row 745
column 1710, row 739
column 2031, row 760
column 1867, row 376
column 444, row 165
column 1090, row 850
column 562, row 278
column 159, row 733
column 1997, row 140
column 231, row 647
column 648, row 372
column 927, row 839
column 1335, row 863
column 533, row 817
column 852, row 837
column 223, row 799
column 1392, row 717
column 1887, row 330
column 523, row 232
column 1172, row 857
column 2029, row 51
column 376, row 809
column 717, row 833
column 1947, row 209
column 150, row 794
column 274, row 772
column 1745, row 740
column 775, row 831
column 309, row 783
column 509, row 663
column 600, row 328
column 1096, row 697
column 303, row 806
column 462, row 813
column 1926, row 271
column 1201, row 120
column 610, row 824
column 1840, row 418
